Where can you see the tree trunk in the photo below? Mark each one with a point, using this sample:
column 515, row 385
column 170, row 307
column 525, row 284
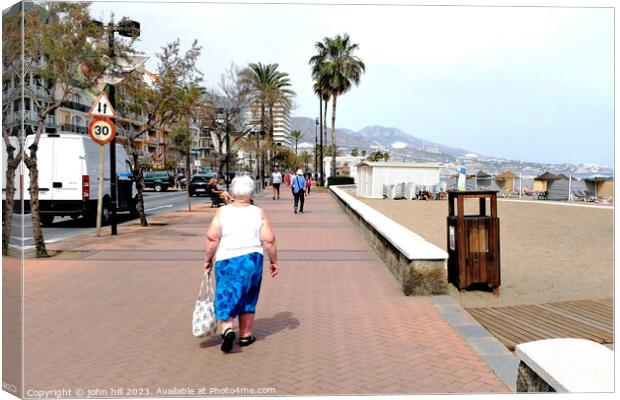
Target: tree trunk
column 31, row 164
column 334, row 135
column 257, row 155
column 324, row 135
column 139, row 181
column 272, row 144
column 187, row 179
column 262, row 158
column 221, row 158
column 227, row 158
column 7, row 216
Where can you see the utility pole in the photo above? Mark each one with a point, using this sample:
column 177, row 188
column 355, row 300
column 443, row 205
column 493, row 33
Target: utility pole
column 112, row 97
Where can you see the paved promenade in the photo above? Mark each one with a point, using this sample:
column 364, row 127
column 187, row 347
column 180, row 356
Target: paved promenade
column 115, row 312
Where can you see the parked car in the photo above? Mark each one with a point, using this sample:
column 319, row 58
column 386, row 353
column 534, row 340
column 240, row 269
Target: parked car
column 68, row 167
column 158, row 180
column 199, row 185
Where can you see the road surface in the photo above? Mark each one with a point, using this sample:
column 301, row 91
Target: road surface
column 62, row 228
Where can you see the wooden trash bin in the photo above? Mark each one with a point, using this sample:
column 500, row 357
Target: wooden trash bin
column 473, row 241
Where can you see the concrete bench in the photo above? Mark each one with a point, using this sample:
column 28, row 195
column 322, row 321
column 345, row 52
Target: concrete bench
column 418, row 265
column 565, row 365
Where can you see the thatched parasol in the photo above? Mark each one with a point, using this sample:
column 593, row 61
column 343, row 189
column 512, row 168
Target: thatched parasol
column 547, row 176
column 504, row 176
column 482, row 174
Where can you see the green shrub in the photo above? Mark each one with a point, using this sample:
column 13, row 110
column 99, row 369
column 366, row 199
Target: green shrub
column 340, row 180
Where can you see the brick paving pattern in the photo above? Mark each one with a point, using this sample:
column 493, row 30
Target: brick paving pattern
column 334, row 321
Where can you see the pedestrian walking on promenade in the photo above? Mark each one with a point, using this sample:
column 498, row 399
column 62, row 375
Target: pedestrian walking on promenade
column 276, row 180
column 235, row 239
column 308, row 183
column 299, row 191
column 287, row 178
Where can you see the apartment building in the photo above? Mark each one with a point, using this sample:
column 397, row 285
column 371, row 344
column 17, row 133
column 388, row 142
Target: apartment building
column 281, row 123
column 281, row 126
column 71, row 117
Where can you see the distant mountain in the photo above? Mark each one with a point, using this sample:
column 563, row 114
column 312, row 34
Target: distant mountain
column 403, row 146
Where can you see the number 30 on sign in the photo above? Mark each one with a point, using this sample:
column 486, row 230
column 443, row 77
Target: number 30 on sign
column 101, row 130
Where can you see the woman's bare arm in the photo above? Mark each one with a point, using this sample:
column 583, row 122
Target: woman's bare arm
column 269, row 241
column 214, row 233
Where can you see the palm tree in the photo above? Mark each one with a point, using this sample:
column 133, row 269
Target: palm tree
column 296, row 136
column 278, row 95
column 305, row 158
column 336, row 64
column 321, row 89
column 375, row 156
column 268, row 87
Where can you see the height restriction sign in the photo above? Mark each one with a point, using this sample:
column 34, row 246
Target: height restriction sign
column 101, row 130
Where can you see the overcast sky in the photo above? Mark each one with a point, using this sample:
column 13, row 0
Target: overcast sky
column 534, row 84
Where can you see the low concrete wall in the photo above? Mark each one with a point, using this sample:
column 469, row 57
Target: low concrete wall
column 568, row 365
column 419, row 266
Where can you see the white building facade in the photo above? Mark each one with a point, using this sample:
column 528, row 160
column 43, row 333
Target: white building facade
column 281, row 126
column 371, row 176
column 281, row 123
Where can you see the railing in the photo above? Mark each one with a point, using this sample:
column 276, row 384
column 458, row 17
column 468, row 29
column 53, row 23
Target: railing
column 38, row 91
column 29, row 116
column 74, row 128
column 134, row 117
column 121, row 131
column 31, row 90
column 75, row 106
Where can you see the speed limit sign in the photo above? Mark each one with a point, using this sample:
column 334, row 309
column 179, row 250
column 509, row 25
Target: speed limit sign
column 101, row 130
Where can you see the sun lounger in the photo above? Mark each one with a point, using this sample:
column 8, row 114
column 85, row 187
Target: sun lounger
column 590, row 196
column 579, row 195
column 411, row 190
column 389, row 191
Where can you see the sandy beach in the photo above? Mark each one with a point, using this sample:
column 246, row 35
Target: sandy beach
column 549, row 252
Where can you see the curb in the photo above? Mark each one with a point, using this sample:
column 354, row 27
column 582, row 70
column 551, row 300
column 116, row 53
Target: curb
column 491, row 350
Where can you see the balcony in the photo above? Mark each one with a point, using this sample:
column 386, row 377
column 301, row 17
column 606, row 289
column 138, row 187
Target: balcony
column 29, row 117
column 75, row 106
column 74, row 128
column 30, row 91
column 136, row 118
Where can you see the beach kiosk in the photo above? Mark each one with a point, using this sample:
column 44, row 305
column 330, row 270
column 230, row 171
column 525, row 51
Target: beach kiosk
column 371, row 176
column 473, row 240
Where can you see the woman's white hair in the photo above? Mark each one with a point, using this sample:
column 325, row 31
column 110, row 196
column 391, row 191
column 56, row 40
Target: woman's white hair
column 242, row 187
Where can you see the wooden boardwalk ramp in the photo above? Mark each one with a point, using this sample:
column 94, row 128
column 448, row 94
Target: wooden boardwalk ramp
column 586, row 319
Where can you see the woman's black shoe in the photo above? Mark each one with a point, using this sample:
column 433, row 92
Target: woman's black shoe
column 229, row 338
column 246, row 341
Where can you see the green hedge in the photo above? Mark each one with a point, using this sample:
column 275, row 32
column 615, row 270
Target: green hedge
column 340, row 180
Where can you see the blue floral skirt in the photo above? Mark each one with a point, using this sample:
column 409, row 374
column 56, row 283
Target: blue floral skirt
column 237, row 284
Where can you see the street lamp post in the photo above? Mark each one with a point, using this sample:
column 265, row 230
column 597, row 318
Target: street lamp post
column 126, row 28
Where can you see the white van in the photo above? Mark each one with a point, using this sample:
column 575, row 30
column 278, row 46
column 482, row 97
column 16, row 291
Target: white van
column 68, row 166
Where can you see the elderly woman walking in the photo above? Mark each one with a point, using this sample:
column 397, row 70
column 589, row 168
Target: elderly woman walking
column 235, row 239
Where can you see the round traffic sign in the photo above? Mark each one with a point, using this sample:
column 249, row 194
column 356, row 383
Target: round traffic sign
column 102, row 130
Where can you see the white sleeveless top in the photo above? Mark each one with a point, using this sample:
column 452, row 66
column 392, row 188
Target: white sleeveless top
column 240, row 232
